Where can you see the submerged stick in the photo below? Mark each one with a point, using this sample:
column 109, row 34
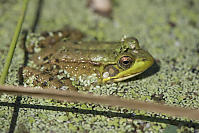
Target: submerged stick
column 73, row 96
column 13, row 43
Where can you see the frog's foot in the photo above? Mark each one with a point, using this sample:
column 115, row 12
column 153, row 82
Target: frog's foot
column 48, row 39
column 55, row 36
column 33, row 77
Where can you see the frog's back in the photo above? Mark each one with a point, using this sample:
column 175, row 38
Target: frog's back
column 78, row 52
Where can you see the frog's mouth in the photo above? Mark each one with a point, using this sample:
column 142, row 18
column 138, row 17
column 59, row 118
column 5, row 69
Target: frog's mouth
column 114, row 79
column 124, row 78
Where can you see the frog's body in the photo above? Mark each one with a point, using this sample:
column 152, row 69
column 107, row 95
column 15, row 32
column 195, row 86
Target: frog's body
column 107, row 61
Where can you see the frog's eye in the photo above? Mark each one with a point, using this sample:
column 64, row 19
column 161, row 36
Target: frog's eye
column 110, row 71
column 125, row 62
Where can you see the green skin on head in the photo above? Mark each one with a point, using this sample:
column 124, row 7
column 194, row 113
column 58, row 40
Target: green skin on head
column 130, row 61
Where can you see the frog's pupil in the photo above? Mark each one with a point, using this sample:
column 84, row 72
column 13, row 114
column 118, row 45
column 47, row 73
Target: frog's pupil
column 126, row 62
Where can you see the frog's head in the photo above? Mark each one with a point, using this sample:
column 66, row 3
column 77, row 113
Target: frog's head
column 130, row 61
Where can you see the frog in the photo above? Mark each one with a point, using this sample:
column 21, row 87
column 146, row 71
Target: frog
column 64, row 60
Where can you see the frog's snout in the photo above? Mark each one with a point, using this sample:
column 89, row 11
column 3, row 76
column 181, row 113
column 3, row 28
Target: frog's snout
column 145, row 62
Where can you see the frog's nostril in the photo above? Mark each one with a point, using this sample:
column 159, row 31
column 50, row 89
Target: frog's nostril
column 45, row 58
column 144, row 59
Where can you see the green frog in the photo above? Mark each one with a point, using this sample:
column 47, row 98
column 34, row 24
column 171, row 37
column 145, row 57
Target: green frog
column 63, row 60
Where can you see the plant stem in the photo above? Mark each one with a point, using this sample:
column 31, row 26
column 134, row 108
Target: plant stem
column 74, row 96
column 13, row 43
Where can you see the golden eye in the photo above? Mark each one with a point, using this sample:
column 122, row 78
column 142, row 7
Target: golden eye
column 125, row 62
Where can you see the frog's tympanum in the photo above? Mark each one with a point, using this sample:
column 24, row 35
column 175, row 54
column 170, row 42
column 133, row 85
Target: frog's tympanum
column 60, row 58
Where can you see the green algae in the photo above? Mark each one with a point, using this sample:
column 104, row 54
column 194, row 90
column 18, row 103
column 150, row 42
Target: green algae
column 167, row 29
column 5, row 117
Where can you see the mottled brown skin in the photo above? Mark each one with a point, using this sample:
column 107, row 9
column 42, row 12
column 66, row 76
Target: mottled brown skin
column 53, row 58
column 47, row 77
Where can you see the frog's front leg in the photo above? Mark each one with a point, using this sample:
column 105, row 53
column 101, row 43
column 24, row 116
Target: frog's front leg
column 48, row 39
column 45, row 80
